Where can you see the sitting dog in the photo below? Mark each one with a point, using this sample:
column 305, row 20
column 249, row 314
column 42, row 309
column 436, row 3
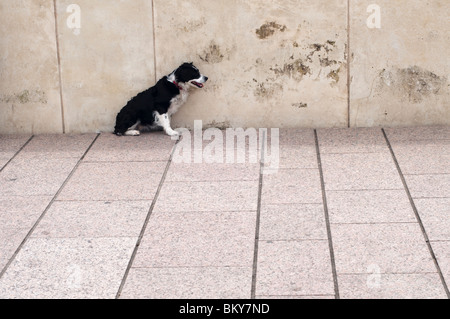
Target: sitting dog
column 153, row 108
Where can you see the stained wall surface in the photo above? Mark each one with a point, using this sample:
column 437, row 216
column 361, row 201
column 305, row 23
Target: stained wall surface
column 29, row 81
column 68, row 66
column 400, row 71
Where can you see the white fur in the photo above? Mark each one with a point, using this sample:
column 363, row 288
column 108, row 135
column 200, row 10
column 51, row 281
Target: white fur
column 132, row 133
column 163, row 120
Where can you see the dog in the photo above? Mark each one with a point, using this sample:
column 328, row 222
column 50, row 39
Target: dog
column 153, row 108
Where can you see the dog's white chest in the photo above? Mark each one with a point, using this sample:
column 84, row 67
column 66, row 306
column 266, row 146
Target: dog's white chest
column 177, row 102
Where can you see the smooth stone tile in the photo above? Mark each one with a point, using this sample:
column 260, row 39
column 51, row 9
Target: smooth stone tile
column 145, row 148
column 22, row 212
column 17, row 216
column 435, row 216
column 354, row 140
column 377, row 206
column 418, row 133
column 393, row 248
column 289, row 186
column 296, row 149
column 10, row 240
column 59, row 145
column 35, row 176
column 295, row 137
column 5, row 159
column 208, row 196
column 93, row 219
column 188, row 283
column 391, row 286
column 68, row 268
column 114, row 181
column 290, row 268
column 360, row 171
column 293, row 156
column 10, row 145
column 423, row 157
column 198, row 240
column 442, row 252
column 182, row 172
column 222, row 148
column 292, row 222
column 428, row 185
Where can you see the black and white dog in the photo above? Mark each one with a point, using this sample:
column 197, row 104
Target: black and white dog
column 153, row 108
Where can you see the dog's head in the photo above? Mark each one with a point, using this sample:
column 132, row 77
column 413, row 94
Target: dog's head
column 189, row 74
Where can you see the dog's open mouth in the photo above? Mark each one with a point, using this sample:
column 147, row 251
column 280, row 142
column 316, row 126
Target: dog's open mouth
column 199, row 85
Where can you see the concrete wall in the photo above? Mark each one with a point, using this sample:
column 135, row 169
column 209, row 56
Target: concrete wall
column 70, row 65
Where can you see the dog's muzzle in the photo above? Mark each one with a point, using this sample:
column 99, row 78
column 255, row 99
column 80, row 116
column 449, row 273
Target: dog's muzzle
column 199, row 83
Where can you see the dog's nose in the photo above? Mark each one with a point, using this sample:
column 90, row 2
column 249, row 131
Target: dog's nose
column 206, row 78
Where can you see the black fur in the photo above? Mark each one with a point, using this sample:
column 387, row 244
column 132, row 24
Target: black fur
column 156, row 98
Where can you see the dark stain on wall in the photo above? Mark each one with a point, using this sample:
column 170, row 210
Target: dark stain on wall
column 296, row 69
column 300, row 105
column 268, row 29
column 212, row 54
column 414, row 82
column 26, row 96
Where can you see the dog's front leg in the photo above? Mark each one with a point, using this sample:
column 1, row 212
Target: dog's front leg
column 163, row 120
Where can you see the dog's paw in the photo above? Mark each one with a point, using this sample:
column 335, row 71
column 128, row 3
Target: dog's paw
column 132, row 133
column 171, row 132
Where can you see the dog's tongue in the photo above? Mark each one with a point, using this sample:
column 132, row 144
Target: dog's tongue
column 198, row 84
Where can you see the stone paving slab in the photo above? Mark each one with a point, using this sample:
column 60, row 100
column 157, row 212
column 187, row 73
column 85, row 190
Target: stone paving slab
column 101, row 216
column 188, row 283
column 10, row 145
column 68, row 268
column 198, row 239
column 294, row 268
column 114, row 181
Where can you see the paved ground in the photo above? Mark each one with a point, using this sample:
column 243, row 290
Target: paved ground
column 350, row 213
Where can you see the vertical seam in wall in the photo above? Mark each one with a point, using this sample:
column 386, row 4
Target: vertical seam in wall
column 154, row 39
column 348, row 65
column 416, row 213
column 59, row 69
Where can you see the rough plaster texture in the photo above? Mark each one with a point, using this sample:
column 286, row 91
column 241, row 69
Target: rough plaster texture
column 271, row 64
column 279, row 63
column 29, row 80
column 400, row 72
column 104, row 63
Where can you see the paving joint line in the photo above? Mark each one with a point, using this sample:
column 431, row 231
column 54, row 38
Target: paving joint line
column 327, row 219
column 258, row 218
column 17, row 153
column 146, row 222
column 416, row 213
column 30, row 232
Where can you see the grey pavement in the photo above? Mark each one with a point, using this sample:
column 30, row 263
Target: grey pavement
column 346, row 213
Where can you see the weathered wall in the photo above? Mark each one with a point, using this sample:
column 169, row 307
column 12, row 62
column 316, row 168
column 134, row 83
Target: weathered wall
column 29, row 87
column 400, row 72
column 270, row 63
column 104, row 63
column 278, row 63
